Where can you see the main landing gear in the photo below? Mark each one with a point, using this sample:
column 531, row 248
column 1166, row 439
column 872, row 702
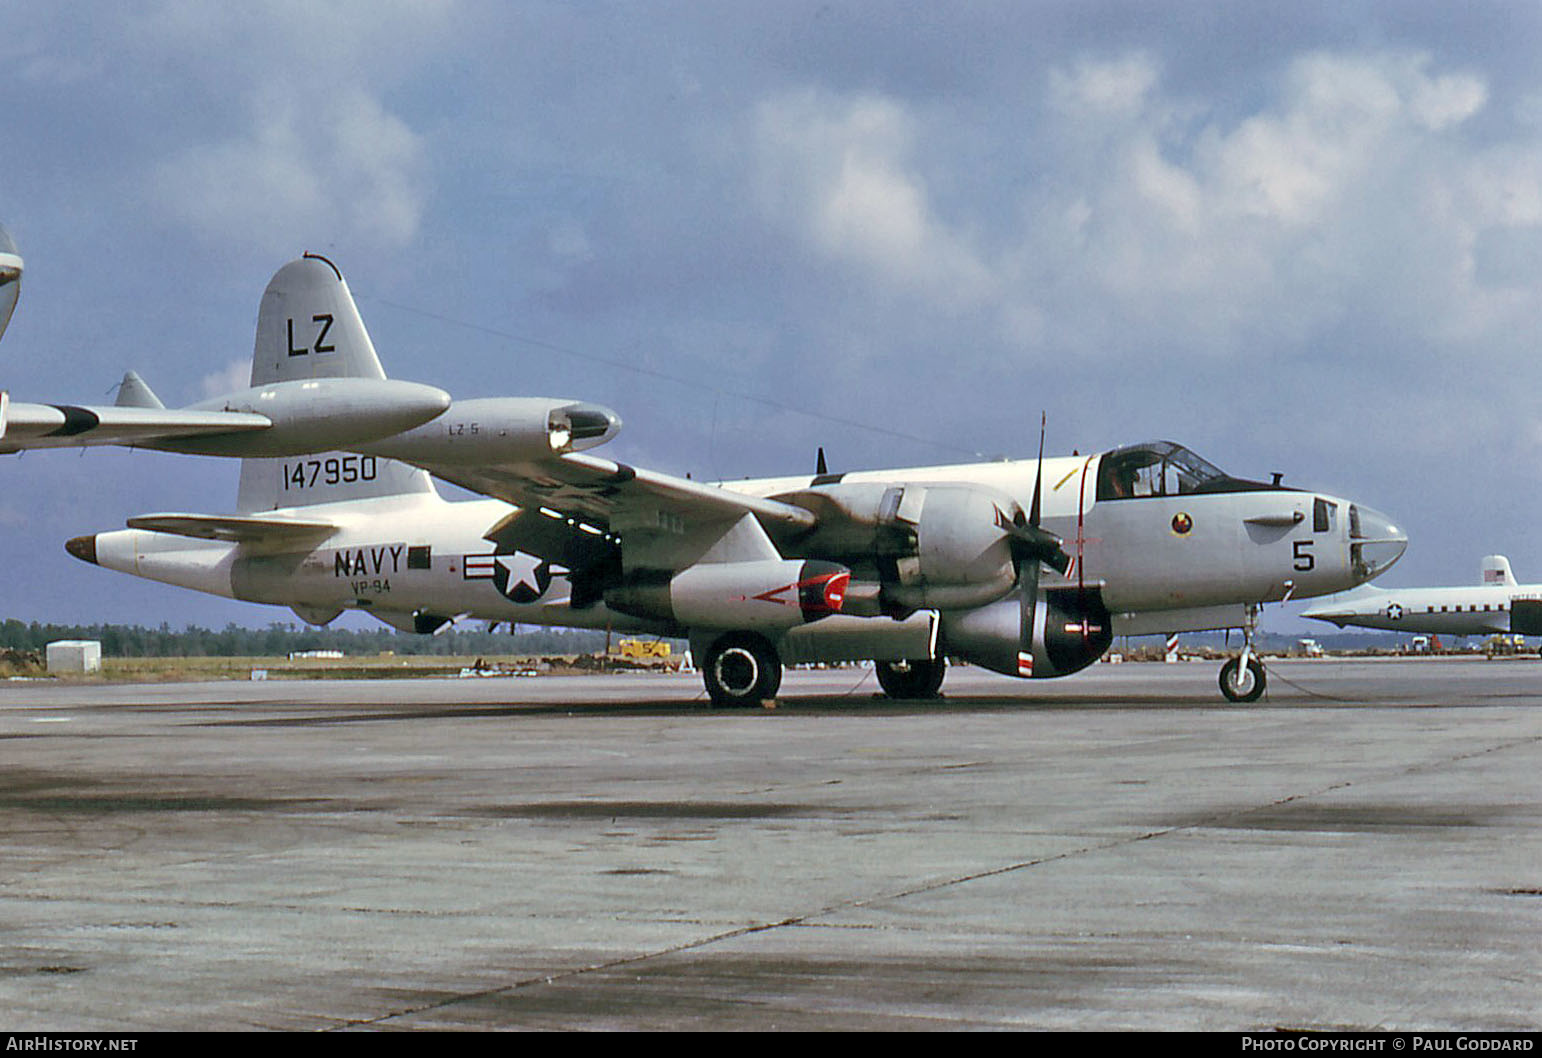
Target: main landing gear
column 1243, row 678
column 916, row 678
column 741, row 669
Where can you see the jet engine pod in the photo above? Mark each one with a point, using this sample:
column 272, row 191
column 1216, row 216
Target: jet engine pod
column 1054, row 632
column 10, row 278
column 492, row 430
column 767, row 595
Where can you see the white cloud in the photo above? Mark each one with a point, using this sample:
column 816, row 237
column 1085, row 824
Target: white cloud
column 1105, row 87
column 287, row 137
column 305, row 170
column 236, row 375
column 1350, row 194
column 839, row 169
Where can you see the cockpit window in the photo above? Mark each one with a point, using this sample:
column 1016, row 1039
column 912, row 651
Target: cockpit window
column 1160, row 468
column 1324, row 515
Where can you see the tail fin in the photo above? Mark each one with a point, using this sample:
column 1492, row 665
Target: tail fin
column 326, row 477
column 309, row 327
column 1496, row 570
column 135, row 392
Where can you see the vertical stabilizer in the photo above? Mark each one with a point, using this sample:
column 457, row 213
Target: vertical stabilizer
column 309, row 327
column 1496, row 571
column 135, row 392
column 327, row 477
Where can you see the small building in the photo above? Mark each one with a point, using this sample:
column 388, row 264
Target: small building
column 74, row 655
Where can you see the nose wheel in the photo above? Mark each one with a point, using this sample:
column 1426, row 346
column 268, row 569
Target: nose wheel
column 1243, row 681
column 1242, row 678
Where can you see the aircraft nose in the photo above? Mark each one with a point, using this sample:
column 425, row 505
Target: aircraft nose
column 1375, row 543
column 83, row 548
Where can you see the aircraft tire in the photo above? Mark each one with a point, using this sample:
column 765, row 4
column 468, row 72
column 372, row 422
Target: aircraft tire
column 913, row 679
column 1246, row 688
column 742, row 669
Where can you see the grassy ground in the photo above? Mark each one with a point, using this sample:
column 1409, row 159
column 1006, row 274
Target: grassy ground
column 390, row 666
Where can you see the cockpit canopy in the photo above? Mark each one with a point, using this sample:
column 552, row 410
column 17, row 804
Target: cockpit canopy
column 10, row 278
column 1162, row 468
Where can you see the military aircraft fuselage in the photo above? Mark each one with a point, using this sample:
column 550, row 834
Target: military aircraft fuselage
column 1160, row 532
column 1162, row 540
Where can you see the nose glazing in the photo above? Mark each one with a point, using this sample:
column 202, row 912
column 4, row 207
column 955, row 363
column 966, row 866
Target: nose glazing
column 1374, row 542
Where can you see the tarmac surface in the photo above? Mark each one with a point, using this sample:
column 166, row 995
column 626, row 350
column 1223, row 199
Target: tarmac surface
column 1118, row 850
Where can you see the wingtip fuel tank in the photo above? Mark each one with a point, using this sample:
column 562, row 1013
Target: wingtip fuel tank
column 317, row 415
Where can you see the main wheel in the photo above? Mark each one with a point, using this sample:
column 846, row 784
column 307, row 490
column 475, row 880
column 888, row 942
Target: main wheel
column 1239, row 686
column 742, row 669
column 916, row 678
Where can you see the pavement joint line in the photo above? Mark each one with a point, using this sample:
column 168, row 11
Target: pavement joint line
column 806, row 918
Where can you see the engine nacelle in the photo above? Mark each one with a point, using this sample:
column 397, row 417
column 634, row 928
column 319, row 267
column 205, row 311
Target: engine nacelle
column 932, row 546
column 766, row 596
column 1055, row 632
column 316, row 415
column 503, row 430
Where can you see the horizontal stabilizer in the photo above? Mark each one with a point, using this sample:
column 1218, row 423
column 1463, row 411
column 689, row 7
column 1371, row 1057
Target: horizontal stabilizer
column 235, row 528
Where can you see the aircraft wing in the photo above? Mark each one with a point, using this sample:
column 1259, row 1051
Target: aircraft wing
column 24, row 426
column 245, row 529
column 586, row 501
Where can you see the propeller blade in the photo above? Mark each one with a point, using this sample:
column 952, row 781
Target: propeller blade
column 1038, row 476
column 1031, row 541
column 1040, row 545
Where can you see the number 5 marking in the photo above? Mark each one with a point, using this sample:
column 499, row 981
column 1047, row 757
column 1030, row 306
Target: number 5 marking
column 1305, row 562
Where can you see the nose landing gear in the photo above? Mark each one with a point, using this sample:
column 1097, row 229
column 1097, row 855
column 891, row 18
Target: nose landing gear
column 1242, row 678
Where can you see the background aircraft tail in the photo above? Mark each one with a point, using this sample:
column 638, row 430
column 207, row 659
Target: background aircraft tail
column 1496, row 570
column 309, row 327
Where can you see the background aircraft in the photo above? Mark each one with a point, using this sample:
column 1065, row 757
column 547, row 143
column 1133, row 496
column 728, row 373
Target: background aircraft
column 273, row 417
column 1025, row 567
column 10, row 278
column 1496, row 604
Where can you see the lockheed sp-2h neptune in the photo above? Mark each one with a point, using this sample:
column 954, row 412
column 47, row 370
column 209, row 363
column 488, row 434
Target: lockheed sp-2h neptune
column 1025, row 567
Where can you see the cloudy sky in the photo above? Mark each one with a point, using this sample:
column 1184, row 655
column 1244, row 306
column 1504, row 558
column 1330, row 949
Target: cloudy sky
column 1303, row 238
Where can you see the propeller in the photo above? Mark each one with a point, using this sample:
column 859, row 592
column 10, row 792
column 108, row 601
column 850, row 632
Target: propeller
column 1029, row 541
